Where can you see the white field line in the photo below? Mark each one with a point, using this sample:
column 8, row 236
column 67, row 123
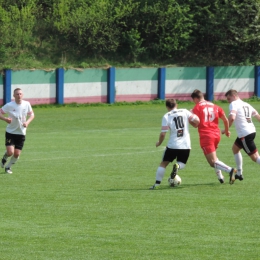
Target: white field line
column 94, row 155
column 40, row 131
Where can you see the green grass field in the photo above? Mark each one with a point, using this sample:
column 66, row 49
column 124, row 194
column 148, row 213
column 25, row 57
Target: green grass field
column 81, row 191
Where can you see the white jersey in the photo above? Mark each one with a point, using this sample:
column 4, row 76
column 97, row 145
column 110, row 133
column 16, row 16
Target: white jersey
column 177, row 120
column 243, row 113
column 18, row 113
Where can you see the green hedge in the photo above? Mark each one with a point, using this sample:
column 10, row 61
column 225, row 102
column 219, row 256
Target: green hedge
column 130, row 29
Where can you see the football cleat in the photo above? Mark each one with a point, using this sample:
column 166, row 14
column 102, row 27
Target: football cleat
column 221, row 180
column 171, row 182
column 239, row 177
column 232, row 175
column 8, row 170
column 154, row 187
column 174, row 172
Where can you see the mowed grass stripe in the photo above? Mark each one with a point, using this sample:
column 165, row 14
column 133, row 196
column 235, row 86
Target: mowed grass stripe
column 80, row 191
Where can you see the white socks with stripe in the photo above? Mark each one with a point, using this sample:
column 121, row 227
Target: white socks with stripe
column 222, row 166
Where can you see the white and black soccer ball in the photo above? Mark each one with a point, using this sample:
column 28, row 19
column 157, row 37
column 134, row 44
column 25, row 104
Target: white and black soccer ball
column 175, row 182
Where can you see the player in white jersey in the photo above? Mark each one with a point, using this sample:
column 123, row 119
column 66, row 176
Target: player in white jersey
column 241, row 113
column 179, row 144
column 20, row 115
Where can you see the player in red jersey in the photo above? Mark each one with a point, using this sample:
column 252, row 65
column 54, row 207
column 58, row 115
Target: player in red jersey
column 209, row 133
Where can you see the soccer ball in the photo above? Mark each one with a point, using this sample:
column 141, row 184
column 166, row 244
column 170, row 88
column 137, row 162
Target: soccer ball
column 175, row 182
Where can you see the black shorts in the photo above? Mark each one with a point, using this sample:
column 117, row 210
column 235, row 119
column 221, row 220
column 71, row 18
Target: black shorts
column 247, row 143
column 182, row 155
column 15, row 140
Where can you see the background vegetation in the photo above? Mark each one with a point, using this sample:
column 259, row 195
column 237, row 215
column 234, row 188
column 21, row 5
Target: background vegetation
column 87, row 33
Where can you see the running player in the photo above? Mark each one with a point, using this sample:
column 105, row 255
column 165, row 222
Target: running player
column 20, row 115
column 179, row 144
column 241, row 113
column 209, row 133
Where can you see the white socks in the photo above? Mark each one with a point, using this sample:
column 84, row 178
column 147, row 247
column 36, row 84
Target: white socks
column 182, row 165
column 159, row 175
column 258, row 160
column 11, row 162
column 239, row 163
column 222, row 166
column 219, row 174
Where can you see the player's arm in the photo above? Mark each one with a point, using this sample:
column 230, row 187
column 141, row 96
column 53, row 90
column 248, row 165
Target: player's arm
column 161, row 138
column 256, row 115
column 231, row 119
column 8, row 120
column 164, row 130
column 226, row 125
column 194, row 120
column 29, row 119
column 232, row 114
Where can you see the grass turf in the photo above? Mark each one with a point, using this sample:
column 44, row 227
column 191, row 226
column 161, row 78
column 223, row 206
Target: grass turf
column 81, row 191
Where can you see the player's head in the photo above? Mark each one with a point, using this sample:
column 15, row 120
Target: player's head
column 231, row 95
column 18, row 95
column 171, row 103
column 197, row 95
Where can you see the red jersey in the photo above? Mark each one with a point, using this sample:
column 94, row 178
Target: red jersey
column 209, row 115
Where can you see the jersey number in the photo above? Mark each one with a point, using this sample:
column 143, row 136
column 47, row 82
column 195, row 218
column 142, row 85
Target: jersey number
column 246, row 110
column 178, row 122
column 209, row 114
column 248, row 118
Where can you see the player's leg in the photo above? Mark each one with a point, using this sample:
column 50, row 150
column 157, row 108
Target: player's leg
column 248, row 145
column 8, row 152
column 168, row 157
column 13, row 160
column 159, row 174
column 182, row 158
column 219, row 174
column 211, row 156
column 237, row 146
column 19, row 142
column 208, row 147
column 255, row 157
column 212, row 159
column 9, row 144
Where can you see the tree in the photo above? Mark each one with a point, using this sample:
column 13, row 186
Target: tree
column 16, row 26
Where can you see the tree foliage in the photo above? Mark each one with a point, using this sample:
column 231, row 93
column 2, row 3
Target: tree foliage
column 131, row 29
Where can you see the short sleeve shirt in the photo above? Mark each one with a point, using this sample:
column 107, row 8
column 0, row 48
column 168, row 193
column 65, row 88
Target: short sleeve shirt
column 18, row 113
column 177, row 121
column 243, row 117
column 209, row 115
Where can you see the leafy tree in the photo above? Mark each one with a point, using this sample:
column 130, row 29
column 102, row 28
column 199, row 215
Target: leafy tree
column 227, row 29
column 166, row 27
column 86, row 26
column 157, row 28
column 16, row 26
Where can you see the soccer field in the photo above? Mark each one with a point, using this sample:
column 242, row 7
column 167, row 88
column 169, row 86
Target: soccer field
column 81, row 191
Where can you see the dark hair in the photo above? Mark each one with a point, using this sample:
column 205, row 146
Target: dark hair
column 197, row 94
column 171, row 103
column 231, row 92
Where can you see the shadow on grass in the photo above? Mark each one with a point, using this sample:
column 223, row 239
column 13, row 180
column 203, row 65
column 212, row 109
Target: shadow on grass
column 183, row 186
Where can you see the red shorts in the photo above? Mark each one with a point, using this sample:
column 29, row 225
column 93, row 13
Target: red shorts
column 209, row 145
